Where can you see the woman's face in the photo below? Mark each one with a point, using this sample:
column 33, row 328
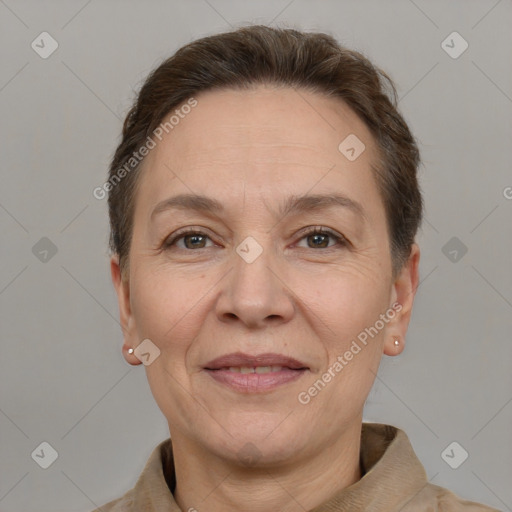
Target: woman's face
column 252, row 278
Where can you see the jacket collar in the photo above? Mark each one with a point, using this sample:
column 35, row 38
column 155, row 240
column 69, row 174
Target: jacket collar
column 392, row 476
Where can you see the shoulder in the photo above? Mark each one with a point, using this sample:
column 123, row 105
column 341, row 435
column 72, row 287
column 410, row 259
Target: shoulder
column 122, row 504
column 151, row 486
column 433, row 498
column 388, row 453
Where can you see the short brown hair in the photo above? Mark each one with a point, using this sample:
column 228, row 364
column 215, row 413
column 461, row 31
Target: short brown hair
column 263, row 55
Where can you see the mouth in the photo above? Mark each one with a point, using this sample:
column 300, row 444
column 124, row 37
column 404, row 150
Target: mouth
column 267, row 360
column 255, row 374
column 255, row 369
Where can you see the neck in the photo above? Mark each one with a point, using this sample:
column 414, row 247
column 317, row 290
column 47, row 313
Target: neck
column 205, row 481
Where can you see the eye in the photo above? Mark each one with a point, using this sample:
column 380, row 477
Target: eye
column 318, row 238
column 191, row 240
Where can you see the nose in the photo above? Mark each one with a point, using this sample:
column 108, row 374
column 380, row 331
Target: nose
column 256, row 293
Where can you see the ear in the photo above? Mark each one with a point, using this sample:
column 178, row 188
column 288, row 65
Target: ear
column 122, row 288
column 403, row 292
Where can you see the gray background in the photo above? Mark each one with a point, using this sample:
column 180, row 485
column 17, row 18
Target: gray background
column 62, row 376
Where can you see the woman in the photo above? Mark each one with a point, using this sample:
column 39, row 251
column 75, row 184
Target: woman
column 264, row 205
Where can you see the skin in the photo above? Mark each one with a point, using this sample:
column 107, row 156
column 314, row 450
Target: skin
column 304, row 296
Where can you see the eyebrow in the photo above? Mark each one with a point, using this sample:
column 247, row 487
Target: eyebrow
column 293, row 204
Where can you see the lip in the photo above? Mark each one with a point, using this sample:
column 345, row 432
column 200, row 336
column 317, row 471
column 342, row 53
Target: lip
column 291, row 370
column 267, row 359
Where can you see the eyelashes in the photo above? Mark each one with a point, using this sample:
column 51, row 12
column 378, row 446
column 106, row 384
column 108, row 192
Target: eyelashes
column 169, row 243
column 199, row 238
column 324, row 233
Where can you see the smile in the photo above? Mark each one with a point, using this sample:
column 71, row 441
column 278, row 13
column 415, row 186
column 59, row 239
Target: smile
column 257, row 379
column 257, row 369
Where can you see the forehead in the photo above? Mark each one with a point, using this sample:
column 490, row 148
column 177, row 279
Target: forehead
column 263, row 141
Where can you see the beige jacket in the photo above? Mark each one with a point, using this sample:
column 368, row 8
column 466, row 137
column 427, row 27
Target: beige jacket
column 394, row 480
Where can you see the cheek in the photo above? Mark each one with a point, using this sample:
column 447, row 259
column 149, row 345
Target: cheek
column 346, row 305
column 164, row 308
column 346, row 300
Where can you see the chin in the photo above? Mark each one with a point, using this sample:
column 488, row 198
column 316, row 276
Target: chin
column 256, row 442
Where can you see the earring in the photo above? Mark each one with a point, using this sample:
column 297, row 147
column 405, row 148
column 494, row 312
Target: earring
column 130, row 351
column 397, row 342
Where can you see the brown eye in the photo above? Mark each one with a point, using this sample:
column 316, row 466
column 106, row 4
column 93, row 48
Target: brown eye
column 323, row 239
column 189, row 240
column 318, row 240
column 194, row 241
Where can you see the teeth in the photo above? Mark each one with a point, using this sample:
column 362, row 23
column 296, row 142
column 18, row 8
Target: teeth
column 257, row 369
